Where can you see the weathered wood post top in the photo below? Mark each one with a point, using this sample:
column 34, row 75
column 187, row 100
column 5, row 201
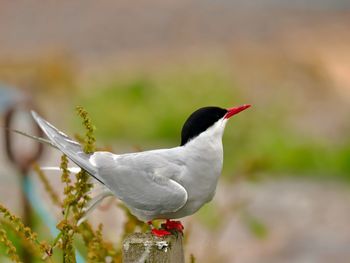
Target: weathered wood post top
column 141, row 248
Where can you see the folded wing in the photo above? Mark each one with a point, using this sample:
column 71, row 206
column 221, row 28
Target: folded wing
column 142, row 180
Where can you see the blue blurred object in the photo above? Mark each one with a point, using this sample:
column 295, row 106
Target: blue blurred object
column 36, row 203
column 9, row 96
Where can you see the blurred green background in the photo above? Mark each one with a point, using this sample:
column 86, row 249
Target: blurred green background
column 140, row 69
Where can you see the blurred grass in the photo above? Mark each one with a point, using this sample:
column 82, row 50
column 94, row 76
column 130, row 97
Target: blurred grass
column 256, row 227
column 148, row 110
column 156, row 106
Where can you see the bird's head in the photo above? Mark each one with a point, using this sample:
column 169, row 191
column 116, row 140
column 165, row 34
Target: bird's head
column 208, row 118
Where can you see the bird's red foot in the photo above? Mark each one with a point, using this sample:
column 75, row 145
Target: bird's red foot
column 173, row 225
column 167, row 228
column 160, row 232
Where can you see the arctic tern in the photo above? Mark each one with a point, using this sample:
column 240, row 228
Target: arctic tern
column 158, row 184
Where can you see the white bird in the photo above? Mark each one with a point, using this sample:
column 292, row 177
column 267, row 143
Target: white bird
column 159, row 184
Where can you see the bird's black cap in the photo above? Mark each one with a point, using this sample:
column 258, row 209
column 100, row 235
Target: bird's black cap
column 199, row 121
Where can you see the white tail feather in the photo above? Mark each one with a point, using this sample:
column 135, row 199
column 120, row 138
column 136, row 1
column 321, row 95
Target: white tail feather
column 93, row 203
column 73, row 170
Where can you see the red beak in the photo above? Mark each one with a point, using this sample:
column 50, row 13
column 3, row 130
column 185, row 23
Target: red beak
column 234, row 111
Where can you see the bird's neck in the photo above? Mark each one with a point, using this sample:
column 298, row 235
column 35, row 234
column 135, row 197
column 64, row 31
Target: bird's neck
column 209, row 141
column 204, row 159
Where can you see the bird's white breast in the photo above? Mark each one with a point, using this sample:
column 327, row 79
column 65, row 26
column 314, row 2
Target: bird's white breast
column 204, row 159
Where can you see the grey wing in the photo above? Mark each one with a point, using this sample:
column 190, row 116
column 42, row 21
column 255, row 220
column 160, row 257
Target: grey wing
column 140, row 182
column 71, row 148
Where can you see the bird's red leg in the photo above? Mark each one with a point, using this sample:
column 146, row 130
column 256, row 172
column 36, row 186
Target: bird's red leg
column 174, row 225
column 158, row 232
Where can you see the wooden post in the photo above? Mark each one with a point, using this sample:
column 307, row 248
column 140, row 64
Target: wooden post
column 142, row 248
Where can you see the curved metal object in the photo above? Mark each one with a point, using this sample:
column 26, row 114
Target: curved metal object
column 21, row 161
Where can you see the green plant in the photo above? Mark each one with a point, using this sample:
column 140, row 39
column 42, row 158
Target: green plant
column 76, row 196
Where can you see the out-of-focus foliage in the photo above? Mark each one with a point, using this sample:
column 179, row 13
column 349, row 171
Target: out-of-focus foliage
column 53, row 74
column 76, row 196
column 154, row 108
column 255, row 226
